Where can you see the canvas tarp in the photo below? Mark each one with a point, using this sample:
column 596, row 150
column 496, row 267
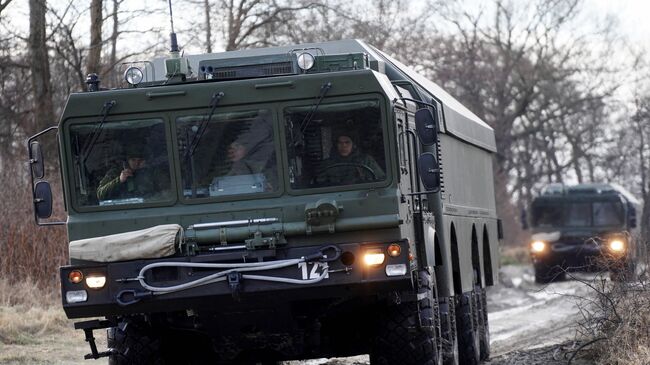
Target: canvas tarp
column 154, row 242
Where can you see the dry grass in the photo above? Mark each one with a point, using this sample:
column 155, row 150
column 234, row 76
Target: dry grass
column 28, row 251
column 514, row 255
column 616, row 321
column 26, row 312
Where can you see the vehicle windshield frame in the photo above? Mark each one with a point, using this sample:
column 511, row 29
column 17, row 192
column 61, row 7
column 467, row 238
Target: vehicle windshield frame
column 328, row 100
column 69, row 161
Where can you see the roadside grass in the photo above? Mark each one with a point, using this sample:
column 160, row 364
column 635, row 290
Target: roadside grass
column 28, row 312
column 514, row 255
column 615, row 325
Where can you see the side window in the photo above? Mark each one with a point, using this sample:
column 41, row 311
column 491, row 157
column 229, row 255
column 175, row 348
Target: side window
column 120, row 163
column 232, row 154
column 339, row 144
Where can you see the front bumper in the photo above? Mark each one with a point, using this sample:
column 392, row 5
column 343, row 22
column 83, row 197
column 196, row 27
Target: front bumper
column 353, row 278
column 586, row 256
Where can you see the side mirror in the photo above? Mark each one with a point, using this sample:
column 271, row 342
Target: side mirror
column 43, row 200
column 36, row 160
column 631, row 216
column 429, row 171
column 427, row 126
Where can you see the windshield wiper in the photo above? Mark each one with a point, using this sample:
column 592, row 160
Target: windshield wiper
column 216, row 97
column 94, row 135
column 323, row 91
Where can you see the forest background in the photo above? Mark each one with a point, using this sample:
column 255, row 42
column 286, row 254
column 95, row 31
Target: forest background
column 566, row 91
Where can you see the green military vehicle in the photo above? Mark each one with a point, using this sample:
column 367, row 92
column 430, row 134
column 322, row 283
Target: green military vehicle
column 283, row 203
column 583, row 227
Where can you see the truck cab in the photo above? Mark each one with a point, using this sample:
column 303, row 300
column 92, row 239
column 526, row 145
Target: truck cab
column 583, row 227
column 276, row 204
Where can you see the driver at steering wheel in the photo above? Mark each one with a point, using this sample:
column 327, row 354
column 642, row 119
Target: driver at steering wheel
column 348, row 165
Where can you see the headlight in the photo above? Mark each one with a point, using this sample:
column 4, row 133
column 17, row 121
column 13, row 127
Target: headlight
column 305, row 61
column 538, row 246
column 133, row 75
column 96, row 281
column 374, row 257
column 616, row 245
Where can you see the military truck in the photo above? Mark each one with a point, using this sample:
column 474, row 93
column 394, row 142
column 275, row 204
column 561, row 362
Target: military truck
column 583, row 227
column 262, row 205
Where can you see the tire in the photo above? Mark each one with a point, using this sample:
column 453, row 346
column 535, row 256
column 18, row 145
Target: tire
column 448, row 329
column 467, row 328
column 484, row 328
column 545, row 274
column 410, row 331
column 623, row 272
column 133, row 343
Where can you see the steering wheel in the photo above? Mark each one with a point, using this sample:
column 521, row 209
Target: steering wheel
column 319, row 177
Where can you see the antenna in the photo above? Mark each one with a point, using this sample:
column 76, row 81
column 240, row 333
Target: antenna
column 172, row 35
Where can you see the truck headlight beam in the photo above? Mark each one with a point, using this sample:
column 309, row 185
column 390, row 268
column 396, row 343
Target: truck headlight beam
column 616, row 245
column 538, row 246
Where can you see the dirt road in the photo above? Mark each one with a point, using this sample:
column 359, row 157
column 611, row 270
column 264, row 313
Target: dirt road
column 523, row 317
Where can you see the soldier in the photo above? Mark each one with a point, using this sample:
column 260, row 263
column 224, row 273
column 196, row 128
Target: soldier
column 134, row 178
column 348, row 165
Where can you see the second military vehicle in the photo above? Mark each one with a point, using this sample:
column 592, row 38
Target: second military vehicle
column 582, row 227
column 283, row 203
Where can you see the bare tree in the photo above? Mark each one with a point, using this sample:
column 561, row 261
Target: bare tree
column 40, row 65
column 513, row 65
column 93, row 61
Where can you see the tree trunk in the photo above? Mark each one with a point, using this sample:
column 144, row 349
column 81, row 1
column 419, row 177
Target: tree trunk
column 112, row 74
column 40, row 67
column 95, row 49
column 208, row 26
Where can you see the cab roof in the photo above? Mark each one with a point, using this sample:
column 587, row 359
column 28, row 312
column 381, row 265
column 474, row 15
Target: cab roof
column 458, row 120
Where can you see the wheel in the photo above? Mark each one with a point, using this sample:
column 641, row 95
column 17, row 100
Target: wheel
column 448, row 329
column 467, row 328
column 133, row 343
column 410, row 331
column 622, row 271
column 484, row 328
column 545, row 274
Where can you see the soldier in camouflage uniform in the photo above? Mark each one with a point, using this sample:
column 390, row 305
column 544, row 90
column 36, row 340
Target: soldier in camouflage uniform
column 134, row 178
column 348, row 165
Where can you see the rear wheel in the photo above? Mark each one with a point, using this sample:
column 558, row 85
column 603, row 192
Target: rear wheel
column 484, row 328
column 468, row 329
column 409, row 332
column 448, row 327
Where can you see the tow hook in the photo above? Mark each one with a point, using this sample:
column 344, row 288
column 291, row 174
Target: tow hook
column 131, row 296
column 322, row 254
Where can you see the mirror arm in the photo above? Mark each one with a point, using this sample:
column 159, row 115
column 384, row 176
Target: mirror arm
column 423, row 192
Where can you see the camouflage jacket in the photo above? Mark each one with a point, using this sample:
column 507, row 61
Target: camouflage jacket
column 144, row 183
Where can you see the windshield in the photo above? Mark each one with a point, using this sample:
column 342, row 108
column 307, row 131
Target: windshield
column 232, row 154
column 578, row 214
column 126, row 164
column 338, row 144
